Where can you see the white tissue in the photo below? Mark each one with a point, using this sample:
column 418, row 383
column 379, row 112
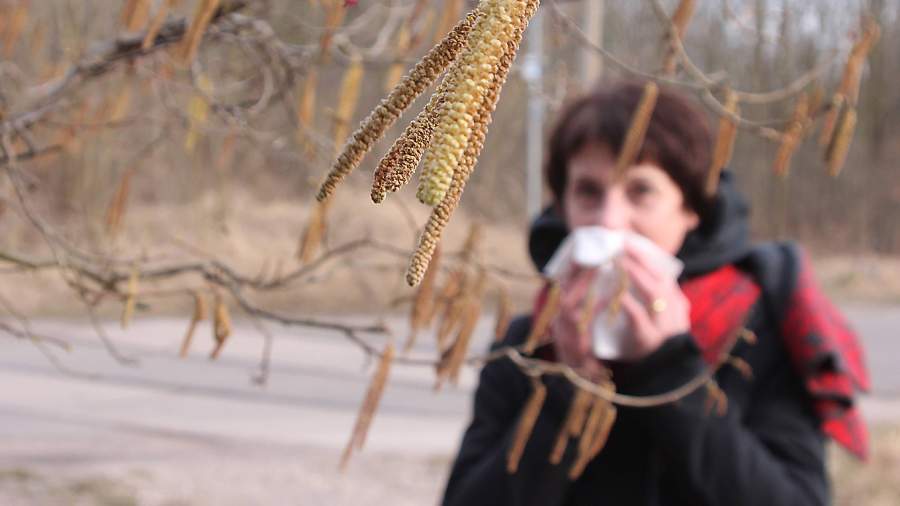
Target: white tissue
column 598, row 247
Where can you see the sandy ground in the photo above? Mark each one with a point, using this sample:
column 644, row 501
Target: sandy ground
column 194, row 432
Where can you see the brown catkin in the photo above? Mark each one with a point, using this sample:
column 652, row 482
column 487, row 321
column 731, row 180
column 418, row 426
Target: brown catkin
column 441, row 214
column 386, row 113
column 680, row 19
column 792, row 137
column 604, row 426
column 588, row 310
column 134, row 14
column 640, row 120
column 715, row 399
column 598, row 406
column 130, row 297
column 221, row 326
column 198, row 316
column 724, row 146
column 504, row 314
column 529, row 416
column 202, row 16
column 348, row 98
column 14, row 27
column 544, row 318
column 156, row 23
column 452, row 317
column 397, row 167
column 836, row 155
column 337, row 11
column 452, row 11
column 370, row 404
column 572, row 425
column 471, row 314
column 314, row 232
column 848, row 91
column 742, row 367
column 423, row 302
column 116, row 209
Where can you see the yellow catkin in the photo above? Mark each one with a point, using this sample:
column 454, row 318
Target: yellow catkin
column 585, row 443
column 441, row 214
column 117, row 205
column 156, row 23
column 131, row 291
column 198, row 316
column 386, row 113
column 544, row 318
column 640, row 120
column 314, row 232
column 504, row 314
column 462, row 103
column 529, row 416
column 423, row 302
column 369, row 404
column 197, row 113
column 724, row 143
column 680, row 19
column 615, row 304
column 203, row 14
column 587, row 310
column 601, row 435
column 221, row 326
column 791, row 137
column 134, row 15
column 348, row 97
column 836, row 155
column 572, row 425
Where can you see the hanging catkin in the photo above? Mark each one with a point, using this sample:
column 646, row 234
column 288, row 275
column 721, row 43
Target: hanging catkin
column 198, row 316
column 529, row 416
column 369, row 405
column 640, row 121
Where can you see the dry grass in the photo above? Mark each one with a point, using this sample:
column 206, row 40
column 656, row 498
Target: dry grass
column 873, row 483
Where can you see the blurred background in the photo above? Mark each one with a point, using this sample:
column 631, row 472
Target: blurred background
column 141, row 173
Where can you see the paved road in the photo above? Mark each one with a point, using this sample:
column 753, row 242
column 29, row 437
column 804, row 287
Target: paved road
column 165, row 408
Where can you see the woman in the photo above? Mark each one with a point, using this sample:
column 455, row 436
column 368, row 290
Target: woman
column 796, row 379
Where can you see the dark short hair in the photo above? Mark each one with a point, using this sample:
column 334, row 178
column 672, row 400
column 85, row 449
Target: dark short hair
column 678, row 138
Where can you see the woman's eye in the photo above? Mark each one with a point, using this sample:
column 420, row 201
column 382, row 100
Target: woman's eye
column 639, row 190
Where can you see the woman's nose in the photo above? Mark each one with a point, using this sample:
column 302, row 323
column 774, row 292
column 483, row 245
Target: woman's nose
column 613, row 214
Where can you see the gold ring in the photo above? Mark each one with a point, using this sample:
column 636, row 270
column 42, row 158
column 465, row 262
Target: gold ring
column 658, row 305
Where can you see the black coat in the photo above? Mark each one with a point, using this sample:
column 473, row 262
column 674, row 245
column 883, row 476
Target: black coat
column 766, row 450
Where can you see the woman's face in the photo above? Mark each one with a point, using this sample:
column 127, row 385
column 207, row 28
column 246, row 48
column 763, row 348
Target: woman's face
column 645, row 200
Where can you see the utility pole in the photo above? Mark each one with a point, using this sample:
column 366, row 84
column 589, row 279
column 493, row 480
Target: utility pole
column 533, row 73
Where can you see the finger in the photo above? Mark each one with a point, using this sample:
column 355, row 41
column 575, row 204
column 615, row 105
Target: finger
column 643, row 260
column 648, row 287
column 577, row 290
column 638, row 315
